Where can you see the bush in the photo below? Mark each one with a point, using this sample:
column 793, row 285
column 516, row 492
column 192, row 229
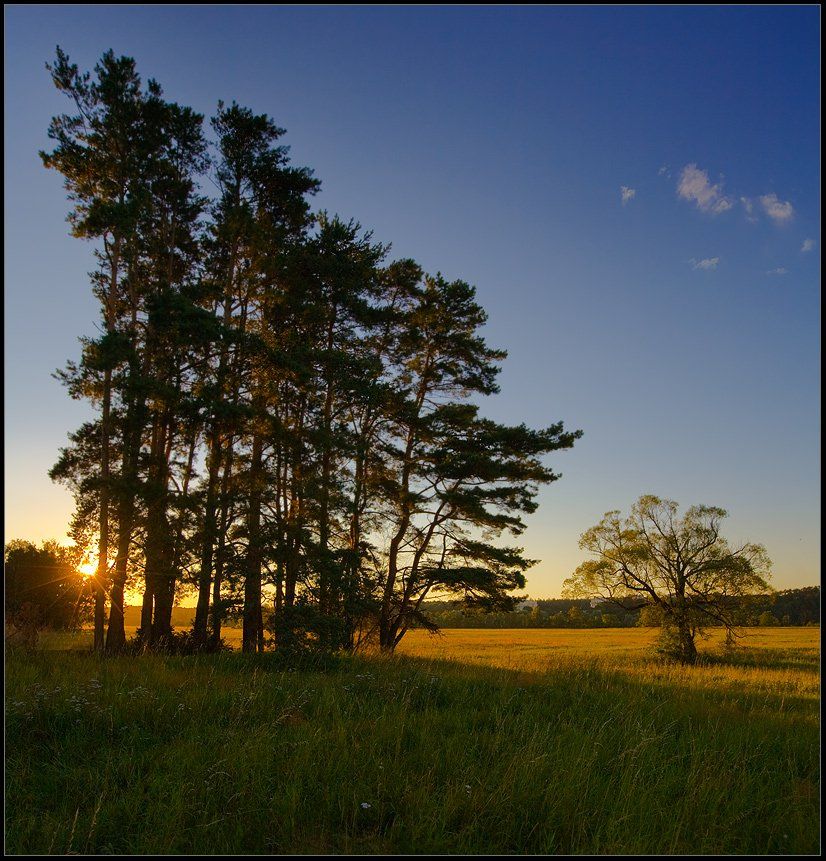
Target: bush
column 45, row 578
column 177, row 643
column 23, row 625
column 650, row 617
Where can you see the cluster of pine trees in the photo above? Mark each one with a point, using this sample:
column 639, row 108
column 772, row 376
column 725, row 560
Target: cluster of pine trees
column 284, row 417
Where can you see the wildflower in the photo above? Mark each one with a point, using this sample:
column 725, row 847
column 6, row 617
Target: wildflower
column 365, row 805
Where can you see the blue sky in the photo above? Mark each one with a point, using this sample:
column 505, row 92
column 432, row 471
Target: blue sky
column 675, row 322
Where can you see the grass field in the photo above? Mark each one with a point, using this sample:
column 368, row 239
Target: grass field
column 530, row 741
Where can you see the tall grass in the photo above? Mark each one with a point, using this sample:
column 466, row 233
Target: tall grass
column 595, row 752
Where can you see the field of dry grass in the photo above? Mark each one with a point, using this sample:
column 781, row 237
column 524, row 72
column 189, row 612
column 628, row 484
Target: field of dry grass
column 474, row 741
column 773, row 660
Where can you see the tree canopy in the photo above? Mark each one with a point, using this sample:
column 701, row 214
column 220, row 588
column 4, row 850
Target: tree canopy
column 43, row 586
column 680, row 564
column 285, row 414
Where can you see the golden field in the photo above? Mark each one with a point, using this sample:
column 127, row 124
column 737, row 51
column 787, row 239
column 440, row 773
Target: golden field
column 782, row 660
column 772, row 660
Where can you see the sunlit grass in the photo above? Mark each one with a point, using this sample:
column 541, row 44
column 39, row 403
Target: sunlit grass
column 781, row 660
column 84, row 639
column 474, row 742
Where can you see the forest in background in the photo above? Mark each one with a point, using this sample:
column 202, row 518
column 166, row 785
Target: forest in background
column 785, row 607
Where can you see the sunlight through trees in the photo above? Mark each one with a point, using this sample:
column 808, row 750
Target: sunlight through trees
column 285, row 416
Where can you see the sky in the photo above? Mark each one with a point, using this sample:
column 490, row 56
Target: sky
column 634, row 192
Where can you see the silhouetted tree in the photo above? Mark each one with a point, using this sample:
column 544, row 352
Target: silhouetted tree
column 43, row 586
column 98, row 152
column 275, row 397
column 452, row 478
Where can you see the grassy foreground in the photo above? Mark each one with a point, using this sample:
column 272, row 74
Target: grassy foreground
column 473, row 742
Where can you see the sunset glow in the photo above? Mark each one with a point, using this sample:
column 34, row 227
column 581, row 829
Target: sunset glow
column 411, row 426
column 88, row 567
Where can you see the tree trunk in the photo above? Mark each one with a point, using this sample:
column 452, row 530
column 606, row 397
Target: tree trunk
column 103, row 523
column 116, row 634
column 210, row 530
column 145, row 630
column 211, row 503
column 217, row 610
column 162, row 620
column 387, row 624
column 687, row 647
column 251, row 640
column 327, row 596
column 159, row 576
column 103, row 516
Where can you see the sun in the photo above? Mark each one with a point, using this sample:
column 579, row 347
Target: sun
column 88, row 568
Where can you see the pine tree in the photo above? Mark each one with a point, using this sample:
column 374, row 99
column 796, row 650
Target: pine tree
column 456, row 478
column 274, row 397
column 98, row 151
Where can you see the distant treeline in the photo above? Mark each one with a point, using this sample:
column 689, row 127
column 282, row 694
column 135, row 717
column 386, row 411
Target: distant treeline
column 43, row 588
column 789, row 607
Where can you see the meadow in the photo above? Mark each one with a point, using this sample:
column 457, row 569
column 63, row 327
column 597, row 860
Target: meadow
column 474, row 741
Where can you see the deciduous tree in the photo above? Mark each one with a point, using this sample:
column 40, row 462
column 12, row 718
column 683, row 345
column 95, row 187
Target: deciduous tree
column 679, row 564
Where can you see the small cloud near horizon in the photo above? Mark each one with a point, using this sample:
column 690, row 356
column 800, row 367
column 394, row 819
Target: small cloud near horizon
column 694, row 186
column 808, row 245
column 779, row 271
column 627, row 193
column 705, row 263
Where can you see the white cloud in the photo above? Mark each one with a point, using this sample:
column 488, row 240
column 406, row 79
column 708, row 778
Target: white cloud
column 694, row 186
column 808, row 245
column 627, row 193
column 778, row 210
column 664, row 171
column 779, row 271
column 748, row 205
column 705, row 263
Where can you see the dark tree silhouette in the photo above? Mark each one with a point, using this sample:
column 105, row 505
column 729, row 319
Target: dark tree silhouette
column 284, row 415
